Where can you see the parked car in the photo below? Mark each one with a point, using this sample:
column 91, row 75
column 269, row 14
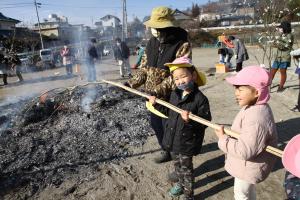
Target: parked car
column 106, row 51
column 47, row 57
column 26, row 58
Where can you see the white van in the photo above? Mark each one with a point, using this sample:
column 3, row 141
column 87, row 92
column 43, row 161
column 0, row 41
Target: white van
column 46, row 55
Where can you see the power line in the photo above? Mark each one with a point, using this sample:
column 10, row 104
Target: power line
column 16, row 6
column 15, row 3
column 72, row 6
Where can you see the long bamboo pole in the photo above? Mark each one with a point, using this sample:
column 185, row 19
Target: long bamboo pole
column 270, row 149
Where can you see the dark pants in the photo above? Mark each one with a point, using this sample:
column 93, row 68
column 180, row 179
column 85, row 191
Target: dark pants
column 4, row 79
column 69, row 69
column 91, row 71
column 239, row 66
column 184, row 170
column 157, row 124
column 18, row 72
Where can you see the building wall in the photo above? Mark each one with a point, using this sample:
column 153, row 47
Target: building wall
column 246, row 11
column 53, row 33
column 113, row 22
column 208, row 16
column 7, row 25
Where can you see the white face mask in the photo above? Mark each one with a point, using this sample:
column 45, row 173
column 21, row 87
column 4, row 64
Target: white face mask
column 154, row 32
column 118, row 43
column 280, row 30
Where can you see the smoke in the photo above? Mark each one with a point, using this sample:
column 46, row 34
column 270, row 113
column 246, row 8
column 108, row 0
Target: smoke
column 89, row 99
column 10, row 108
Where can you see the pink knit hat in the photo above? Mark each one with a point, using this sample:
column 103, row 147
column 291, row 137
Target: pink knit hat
column 256, row 77
column 291, row 156
column 186, row 62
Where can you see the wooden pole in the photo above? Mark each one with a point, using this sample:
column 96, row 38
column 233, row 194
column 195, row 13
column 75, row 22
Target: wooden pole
column 270, row 149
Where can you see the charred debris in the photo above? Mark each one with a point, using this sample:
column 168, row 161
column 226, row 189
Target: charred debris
column 50, row 138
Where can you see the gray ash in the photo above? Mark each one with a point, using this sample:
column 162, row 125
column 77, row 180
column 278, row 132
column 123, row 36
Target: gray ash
column 48, row 141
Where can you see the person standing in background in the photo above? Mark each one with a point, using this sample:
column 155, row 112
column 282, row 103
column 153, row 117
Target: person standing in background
column 284, row 45
column 123, row 54
column 67, row 57
column 240, row 52
column 16, row 63
column 3, row 66
column 92, row 56
column 296, row 56
column 140, row 52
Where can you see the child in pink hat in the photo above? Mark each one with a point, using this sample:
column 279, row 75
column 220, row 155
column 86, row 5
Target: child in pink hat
column 246, row 160
column 291, row 162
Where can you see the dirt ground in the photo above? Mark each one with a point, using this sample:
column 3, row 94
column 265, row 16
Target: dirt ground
column 138, row 177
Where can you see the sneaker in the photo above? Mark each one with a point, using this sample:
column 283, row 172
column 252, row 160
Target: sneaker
column 163, row 157
column 172, row 177
column 176, row 191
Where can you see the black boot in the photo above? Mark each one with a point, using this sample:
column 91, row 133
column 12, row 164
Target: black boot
column 163, row 157
column 5, row 79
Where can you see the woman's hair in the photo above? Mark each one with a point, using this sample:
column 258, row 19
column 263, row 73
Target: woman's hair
column 286, row 27
column 231, row 37
column 93, row 40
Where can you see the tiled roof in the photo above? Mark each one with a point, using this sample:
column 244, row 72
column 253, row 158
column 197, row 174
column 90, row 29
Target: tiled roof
column 4, row 18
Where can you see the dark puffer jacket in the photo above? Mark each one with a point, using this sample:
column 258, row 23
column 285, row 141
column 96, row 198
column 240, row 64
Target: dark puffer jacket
column 122, row 52
column 181, row 137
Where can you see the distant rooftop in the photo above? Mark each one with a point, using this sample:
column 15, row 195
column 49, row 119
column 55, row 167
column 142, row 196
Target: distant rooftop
column 108, row 17
column 8, row 19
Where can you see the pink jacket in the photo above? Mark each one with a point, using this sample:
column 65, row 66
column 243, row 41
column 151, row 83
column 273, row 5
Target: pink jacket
column 246, row 157
column 66, row 55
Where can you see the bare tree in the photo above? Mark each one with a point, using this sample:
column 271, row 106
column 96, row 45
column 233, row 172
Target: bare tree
column 270, row 13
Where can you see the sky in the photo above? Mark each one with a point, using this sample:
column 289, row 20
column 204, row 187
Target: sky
column 86, row 11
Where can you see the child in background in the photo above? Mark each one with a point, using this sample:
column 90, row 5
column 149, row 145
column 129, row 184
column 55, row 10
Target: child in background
column 183, row 137
column 246, row 158
column 284, row 45
column 296, row 56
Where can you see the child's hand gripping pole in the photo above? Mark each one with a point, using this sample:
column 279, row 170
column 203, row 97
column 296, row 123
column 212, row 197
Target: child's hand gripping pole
column 270, row 149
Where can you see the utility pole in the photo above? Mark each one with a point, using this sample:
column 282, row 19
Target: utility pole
column 124, row 25
column 37, row 14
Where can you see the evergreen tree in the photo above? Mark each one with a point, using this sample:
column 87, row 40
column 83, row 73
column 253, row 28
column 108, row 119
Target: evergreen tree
column 195, row 10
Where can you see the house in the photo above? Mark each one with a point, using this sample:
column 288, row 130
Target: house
column 233, row 20
column 209, row 16
column 228, row 13
column 7, row 26
column 108, row 21
column 57, row 28
column 240, row 10
column 109, row 27
column 7, row 23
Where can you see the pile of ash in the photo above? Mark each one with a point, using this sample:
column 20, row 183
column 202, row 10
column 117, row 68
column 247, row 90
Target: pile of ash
column 56, row 135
